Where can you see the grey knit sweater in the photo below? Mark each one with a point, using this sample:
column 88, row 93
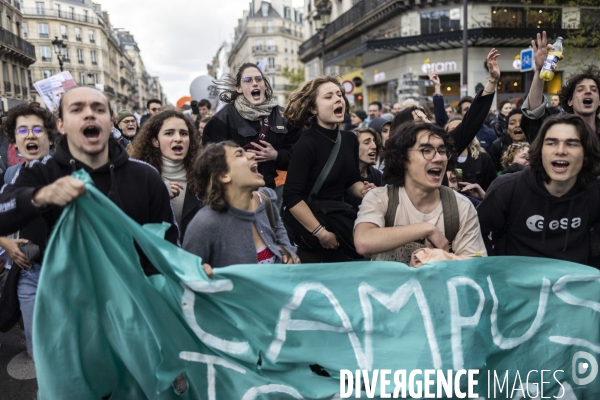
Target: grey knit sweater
column 223, row 239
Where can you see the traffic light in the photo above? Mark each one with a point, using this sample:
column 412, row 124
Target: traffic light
column 359, row 97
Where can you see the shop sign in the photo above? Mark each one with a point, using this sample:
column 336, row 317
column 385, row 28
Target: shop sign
column 379, row 77
column 417, row 83
column 446, row 66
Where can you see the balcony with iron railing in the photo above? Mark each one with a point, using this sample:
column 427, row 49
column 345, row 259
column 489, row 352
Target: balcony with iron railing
column 67, row 15
column 109, row 89
column 265, row 49
column 272, row 68
column 291, row 32
column 19, row 45
column 350, row 18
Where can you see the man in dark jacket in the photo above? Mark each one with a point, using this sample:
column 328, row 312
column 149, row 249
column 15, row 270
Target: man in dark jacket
column 578, row 96
column 548, row 209
column 46, row 187
column 485, row 134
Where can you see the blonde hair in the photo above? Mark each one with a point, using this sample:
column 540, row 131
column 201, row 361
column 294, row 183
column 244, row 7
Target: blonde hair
column 304, row 100
column 475, row 148
column 508, row 157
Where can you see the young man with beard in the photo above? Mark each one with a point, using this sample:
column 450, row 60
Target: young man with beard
column 45, row 188
column 416, row 159
column 548, row 209
column 514, row 134
column 578, row 96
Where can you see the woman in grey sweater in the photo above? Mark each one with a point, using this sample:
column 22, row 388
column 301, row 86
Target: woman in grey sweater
column 237, row 224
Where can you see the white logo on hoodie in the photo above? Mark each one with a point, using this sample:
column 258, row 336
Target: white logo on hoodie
column 536, row 223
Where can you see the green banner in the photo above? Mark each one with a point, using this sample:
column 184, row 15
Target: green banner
column 498, row 327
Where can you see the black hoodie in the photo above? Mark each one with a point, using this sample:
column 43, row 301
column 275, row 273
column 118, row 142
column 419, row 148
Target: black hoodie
column 136, row 187
column 526, row 220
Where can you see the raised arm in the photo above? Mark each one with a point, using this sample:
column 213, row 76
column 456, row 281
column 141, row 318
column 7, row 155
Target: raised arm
column 441, row 118
column 535, row 98
column 464, row 132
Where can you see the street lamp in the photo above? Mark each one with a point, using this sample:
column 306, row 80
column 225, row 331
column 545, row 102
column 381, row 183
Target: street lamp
column 59, row 45
column 322, row 18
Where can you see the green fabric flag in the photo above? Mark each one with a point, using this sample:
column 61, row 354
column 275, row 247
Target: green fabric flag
column 101, row 328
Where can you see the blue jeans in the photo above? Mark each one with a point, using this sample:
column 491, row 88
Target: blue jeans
column 26, row 291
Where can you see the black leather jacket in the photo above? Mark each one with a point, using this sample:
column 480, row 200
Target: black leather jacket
column 228, row 124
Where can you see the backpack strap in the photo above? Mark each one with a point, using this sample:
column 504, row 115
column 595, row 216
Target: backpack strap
column 393, row 201
column 326, row 168
column 268, row 207
column 450, row 210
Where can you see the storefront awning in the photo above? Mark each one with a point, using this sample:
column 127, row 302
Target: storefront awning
column 375, row 51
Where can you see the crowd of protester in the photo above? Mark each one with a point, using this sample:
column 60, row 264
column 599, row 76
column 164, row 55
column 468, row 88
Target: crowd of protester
column 376, row 184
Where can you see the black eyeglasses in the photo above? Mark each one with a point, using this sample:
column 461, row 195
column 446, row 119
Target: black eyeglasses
column 24, row 131
column 248, row 79
column 429, row 152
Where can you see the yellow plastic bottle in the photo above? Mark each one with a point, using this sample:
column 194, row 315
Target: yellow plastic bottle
column 549, row 67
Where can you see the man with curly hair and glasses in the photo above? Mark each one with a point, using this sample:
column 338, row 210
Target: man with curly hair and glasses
column 416, row 157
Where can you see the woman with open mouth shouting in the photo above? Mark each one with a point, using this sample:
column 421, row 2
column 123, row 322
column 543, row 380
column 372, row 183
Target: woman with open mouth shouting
column 170, row 143
column 239, row 223
column 253, row 120
column 33, row 130
column 323, row 169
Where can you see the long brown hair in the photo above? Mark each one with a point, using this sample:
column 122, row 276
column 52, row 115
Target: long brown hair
column 304, row 99
column 208, row 169
column 143, row 149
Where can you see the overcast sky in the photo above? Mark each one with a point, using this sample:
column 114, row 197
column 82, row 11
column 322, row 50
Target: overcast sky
column 177, row 38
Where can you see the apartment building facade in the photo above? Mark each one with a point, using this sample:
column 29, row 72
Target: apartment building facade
column 93, row 52
column 391, row 42
column 16, row 55
column 269, row 34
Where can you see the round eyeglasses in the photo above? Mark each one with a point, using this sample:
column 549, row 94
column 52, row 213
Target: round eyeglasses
column 24, row 131
column 429, row 152
column 248, row 79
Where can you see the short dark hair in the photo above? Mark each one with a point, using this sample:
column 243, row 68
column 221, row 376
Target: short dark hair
column 501, row 104
column 566, row 92
column 153, row 101
column 25, row 110
column 378, row 104
column 589, row 141
column 466, row 99
column 514, row 111
column 60, row 102
column 371, row 131
column 208, row 169
column 404, row 116
column 395, row 154
column 204, row 103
